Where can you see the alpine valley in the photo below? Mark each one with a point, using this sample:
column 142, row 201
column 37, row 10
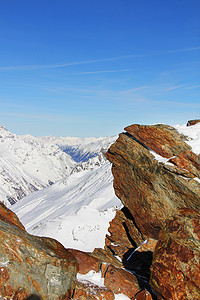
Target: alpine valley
column 101, row 218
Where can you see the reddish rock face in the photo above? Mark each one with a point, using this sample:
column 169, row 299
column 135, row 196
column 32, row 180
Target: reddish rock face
column 143, row 295
column 117, row 240
column 151, row 190
column 89, row 291
column 163, row 139
column 8, row 216
column 86, row 262
column 33, row 265
column 121, row 281
column 176, row 263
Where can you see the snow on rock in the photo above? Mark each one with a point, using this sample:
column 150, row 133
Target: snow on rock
column 91, row 276
column 76, row 211
column 96, row 279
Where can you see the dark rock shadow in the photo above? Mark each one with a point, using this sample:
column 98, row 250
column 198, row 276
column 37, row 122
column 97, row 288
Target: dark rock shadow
column 33, row 297
column 139, row 264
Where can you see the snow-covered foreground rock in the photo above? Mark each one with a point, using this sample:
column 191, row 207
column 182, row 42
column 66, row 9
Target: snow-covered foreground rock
column 76, row 211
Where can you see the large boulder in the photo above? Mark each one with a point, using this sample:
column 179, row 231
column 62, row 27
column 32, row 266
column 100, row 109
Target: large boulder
column 150, row 186
column 33, row 265
column 176, row 263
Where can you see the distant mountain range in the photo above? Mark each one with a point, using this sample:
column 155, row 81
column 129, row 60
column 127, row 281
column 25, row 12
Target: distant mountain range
column 30, row 163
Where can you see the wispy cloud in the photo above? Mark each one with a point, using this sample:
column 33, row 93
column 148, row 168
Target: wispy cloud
column 36, row 67
column 103, row 71
column 175, row 87
column 183, row 50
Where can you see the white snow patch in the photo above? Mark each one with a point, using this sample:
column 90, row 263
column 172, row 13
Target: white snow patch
column 93, row 277
column 4, row 263
column 197, row 179
column 193, row 132
column 161, row 159
column 121, row 297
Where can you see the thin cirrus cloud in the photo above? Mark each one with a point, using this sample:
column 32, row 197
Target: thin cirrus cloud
column 35, row 67
column 176, row 87
column 102, row 71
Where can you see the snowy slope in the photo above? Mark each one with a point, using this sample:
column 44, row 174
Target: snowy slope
column 26, row 166
column 193, row 134
column 76, row 211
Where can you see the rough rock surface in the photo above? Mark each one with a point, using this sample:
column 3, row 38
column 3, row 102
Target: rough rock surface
column 143, row 295
column 124, row 235
column 192, row 122
column 176, row 263
column 90, row 291
column 116, row 278
column 86, row 262
column 8, row 216
column 150, row 189
column 117, row 241
column 121, row 281
column 30, row 264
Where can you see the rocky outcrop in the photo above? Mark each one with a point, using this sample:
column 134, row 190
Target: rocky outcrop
column 33, row 265
column 117, row 280
column 148, row 177
column 176, row 263
column 192, row 122
column 118, row 241
column 39, row 266
column 157, row 178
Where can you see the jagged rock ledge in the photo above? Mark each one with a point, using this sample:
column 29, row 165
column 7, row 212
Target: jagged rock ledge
column 157, row 178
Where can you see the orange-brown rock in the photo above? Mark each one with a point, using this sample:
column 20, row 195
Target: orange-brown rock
column 152, row 190
column 119, row 240
column 163, row 139
column 142, row 295
column 86, row 262
column 192, row 122
column 106, row 257
column 30, row 264
column 8, row 216
column 150, row 245
column 121, row 281
column 188, row 161
column 176, row 263
column 90, row 291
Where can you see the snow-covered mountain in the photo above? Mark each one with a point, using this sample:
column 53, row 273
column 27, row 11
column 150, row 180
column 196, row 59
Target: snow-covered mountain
column 26, row 166
column 80, row 149
column 28, row 163
column 75, row 210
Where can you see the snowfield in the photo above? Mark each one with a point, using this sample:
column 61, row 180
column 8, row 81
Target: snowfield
column 76, row 211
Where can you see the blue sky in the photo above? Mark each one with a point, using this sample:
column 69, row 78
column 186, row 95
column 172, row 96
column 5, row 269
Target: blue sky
column 90, row 68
